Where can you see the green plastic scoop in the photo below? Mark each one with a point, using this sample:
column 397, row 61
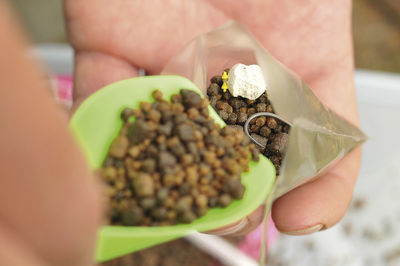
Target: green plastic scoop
column 97, row 122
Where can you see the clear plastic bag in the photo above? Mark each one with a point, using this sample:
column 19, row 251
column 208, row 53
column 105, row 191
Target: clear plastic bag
column 318, row 138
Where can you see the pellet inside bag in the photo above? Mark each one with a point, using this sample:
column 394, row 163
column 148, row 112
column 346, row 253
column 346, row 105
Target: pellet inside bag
column 318, row 137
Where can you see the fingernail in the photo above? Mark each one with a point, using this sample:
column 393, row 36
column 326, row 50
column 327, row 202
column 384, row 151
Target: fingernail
column 232, row 229
column 304, row 231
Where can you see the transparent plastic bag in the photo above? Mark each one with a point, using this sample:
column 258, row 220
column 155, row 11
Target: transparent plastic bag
column 318, row 138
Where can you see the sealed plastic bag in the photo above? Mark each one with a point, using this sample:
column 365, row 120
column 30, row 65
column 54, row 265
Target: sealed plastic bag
column 318, row 137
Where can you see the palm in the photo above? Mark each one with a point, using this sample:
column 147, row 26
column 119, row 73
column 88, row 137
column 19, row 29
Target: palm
column 113, row 40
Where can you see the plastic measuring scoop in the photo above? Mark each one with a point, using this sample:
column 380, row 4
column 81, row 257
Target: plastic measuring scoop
column 96, row 123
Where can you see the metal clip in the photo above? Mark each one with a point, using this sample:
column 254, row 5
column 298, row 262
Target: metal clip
column 246, row 125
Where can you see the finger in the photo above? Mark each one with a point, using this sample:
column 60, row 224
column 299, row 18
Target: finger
column 321, row 203
column 94, row 70
column 139, row 31
column 243, row 226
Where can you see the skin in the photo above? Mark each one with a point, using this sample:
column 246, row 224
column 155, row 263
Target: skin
column 50, row 204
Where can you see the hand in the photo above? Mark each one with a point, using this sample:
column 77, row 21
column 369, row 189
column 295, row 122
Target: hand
column 49, row 203
column 113, row 40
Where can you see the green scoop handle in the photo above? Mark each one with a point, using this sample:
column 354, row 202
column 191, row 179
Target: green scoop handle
column 96, row 123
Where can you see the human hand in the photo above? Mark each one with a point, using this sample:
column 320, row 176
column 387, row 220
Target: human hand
column 49, row 202
column 313, row 38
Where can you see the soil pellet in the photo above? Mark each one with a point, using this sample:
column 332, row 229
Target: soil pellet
column 143, row 185
column 166, row 129
column 263, row 98
column 251, row 111
column 152, row 150
column 148, row 203
column 154, row 115
column 172, row 162
column 132, row 216
column 254, row 128
column 224, row 115
column 252, row 122
column 279, row 143
column 232, row 118
column 228, row 108
column 193, row 113
column 157, row 95
column 261, row 107
column 185, row 133
column 126, row 113
column 109, row 161
column 213, row 101
column 180, row 119
column 235, row 103
column 201, row 201
column 217, row 80
column 149, row 165
column 278, row 128
column 220, row 105
column 226, row 95
column 242, row 118
column 178, row 150
column 213, row 89
column 177, row 108
column 145, row 106
column 160, row 213
column 271, row 123
column 162, row 194
column 119, row 147
column 285, row 129
column 260, row 121
column 225, row 200
column 249, row 102
column 176, row 98
column 201, row 211
column 205, row 113
column 190, row 98
column 166, row 159
column 235, row 188
column 139, row 131
column 187, row 159
column 255, row 154
column 265, row 131
column 188, row 217
column 236, row 127
column 184, row 189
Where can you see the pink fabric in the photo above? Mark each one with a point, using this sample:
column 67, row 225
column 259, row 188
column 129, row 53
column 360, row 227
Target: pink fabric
column 64, row 84
column 252, row 243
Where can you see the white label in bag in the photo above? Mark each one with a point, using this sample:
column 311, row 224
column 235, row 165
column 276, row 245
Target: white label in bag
column 246, row 81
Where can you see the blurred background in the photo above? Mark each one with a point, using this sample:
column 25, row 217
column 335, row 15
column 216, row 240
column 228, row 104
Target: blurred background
column 368, row 234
